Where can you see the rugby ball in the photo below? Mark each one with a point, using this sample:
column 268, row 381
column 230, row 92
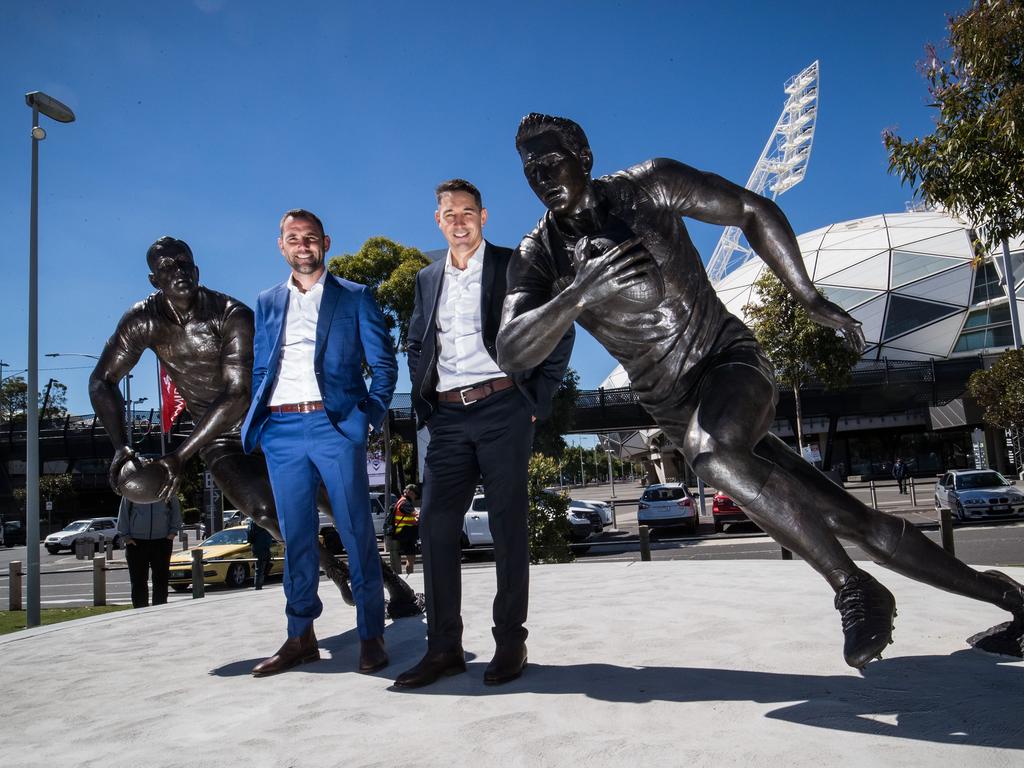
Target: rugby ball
column 141, row 481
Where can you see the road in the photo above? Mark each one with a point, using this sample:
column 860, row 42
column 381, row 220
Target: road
column 67, row 582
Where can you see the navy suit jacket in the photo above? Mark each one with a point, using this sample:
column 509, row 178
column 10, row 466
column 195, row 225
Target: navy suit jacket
column 350, row 329
column 537, row 385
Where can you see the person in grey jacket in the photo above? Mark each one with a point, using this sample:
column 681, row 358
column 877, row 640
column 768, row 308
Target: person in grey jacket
column 148, row 531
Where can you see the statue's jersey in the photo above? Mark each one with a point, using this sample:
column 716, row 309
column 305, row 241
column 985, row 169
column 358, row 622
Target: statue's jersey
column 217, row 335
column 662, row 348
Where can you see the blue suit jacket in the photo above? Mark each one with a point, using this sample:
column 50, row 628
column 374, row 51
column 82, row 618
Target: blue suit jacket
column 350, row 329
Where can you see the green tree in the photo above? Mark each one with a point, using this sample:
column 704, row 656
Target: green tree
column 799, row 349
column 547, row 516
column 389, row 269
column 973, row 163
column 547, row 438
column 13, row 398
column 1000, row 392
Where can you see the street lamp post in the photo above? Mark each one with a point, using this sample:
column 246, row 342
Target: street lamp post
column 39, row 102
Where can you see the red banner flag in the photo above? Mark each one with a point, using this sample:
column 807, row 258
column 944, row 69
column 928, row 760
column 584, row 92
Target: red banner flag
column 172, row 401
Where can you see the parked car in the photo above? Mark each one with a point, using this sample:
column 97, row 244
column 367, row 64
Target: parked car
column 96, row 529
column 972, row 494
column 665, row 505
column 378, row 512
column 13, row 534
column 725, row 511
column 603, row 507
column 591, row 513
column 476, row 530
column 225, row 556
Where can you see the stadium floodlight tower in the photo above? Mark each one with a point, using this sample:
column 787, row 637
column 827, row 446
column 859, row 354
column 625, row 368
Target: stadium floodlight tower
column 782, row 165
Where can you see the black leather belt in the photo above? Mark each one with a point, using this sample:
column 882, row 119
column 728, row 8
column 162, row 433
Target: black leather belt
column 307, row 407
column 469, row 395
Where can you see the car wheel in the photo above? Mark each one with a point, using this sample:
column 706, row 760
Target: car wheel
column 694, row 526
column 960, row 514
column 581, row 549
column 718, row 526
column 53, row 550
column 238, row 574
column 117, row 542
column 179, row 587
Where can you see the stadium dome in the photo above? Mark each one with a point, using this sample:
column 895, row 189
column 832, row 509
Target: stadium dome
column 908, row 278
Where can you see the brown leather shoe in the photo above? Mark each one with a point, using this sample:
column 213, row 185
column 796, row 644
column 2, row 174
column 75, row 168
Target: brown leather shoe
column 508, row 663
column 433, row 665
column 295, row 651
column 372, row 656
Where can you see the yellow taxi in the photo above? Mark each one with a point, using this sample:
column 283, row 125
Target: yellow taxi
column 227, row 559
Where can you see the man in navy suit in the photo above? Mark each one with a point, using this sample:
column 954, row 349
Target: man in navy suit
column 481, row 425
column 310, row 413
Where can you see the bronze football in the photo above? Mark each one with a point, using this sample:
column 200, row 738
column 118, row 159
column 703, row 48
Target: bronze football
column 141, row 482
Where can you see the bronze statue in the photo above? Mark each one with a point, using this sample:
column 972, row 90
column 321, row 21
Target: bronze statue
column 204, row 340
column 613, row 253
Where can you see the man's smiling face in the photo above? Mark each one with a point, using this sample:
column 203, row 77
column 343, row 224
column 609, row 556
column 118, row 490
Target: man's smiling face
column 461, row 221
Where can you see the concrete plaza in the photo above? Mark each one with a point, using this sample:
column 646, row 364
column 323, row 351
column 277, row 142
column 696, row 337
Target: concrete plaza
column 718, row 663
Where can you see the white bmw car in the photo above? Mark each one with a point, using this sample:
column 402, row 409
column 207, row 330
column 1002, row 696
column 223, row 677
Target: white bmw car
column 973, row 494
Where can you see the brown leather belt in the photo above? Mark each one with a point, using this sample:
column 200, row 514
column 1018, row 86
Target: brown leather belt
column 470, row 395
column 307, row 407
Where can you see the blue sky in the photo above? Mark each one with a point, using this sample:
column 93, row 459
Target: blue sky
column 205, row 119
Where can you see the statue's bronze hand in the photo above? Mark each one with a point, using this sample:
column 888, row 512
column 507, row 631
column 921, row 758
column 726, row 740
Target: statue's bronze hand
column 831, row 315
column 121, row 457
column 598, row 278
column 172, row 464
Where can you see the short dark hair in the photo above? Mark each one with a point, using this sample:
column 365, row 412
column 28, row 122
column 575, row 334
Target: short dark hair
column 166, row 243
column 459, row 185
column 569, row 132
column 301, row 213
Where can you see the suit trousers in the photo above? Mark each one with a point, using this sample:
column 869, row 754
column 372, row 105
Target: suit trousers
column 147, row 555
column 303, row 449
column 490, row 438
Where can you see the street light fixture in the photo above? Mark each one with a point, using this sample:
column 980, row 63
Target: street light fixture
column 49, row 106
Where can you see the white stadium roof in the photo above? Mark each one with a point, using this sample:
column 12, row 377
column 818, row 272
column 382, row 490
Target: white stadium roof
column 908, row 278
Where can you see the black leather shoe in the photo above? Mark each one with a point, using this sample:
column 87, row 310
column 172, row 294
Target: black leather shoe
column 867, row 610
column 295, row 651
column 372, row 656
column 508, row 663
column 433, row 665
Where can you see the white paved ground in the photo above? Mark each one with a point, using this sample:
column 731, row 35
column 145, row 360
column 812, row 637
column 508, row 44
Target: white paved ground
column 646, row 664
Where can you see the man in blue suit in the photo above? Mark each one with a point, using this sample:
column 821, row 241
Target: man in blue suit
column 310, row 413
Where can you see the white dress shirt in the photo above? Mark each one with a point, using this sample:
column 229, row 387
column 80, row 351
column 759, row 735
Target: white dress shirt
column 296, row 382
column 462, row 359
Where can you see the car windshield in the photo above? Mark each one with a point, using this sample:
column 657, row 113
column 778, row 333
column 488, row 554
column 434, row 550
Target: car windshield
column 980, row 480
column 480, row 504
column 78, row 525
column 663, row 494
column 232, row 536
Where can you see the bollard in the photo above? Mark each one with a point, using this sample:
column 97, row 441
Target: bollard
column 645, row 543
column 99, row 580
column 183, row 538
column 615, row 522
column 946, row 523
column 874, row 495
column 913, row 492
column 396, row 559
column 14, row 569
column 198, row 585
column 786, row 554
column 108, row 546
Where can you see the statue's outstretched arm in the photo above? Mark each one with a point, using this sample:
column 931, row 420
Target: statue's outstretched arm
column 119, row 356
column 710, row 198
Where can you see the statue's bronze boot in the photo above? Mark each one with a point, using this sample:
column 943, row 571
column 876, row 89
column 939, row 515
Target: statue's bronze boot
column 867, row 610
